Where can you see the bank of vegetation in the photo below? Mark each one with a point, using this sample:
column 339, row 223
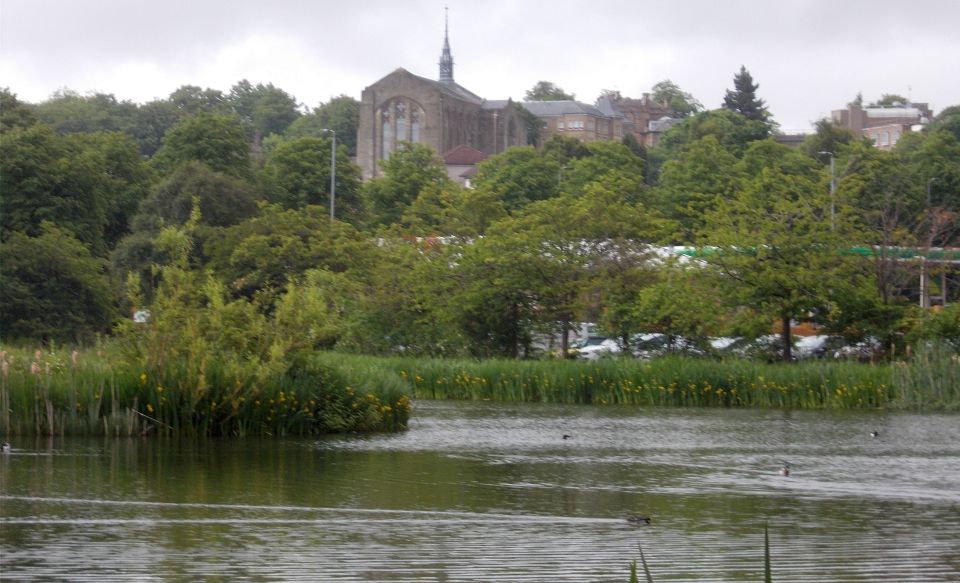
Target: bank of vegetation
column 206, row 216
column 929, row 380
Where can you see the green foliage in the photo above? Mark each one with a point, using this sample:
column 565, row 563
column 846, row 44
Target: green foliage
column 828, row 137
column 68, row 112
column 693, row 182
column 547, row 91
column 681, row 103
column 518, row 176
column 212, row 139
column 743, row 98
column 13, row 112
column 52, row 288
column 224, row 199
column 257, row 257
column 410, row 169
column 668, row 381
column 341, row 114
column 733, row 132
column 773, row 247
column 45, row 177
column 890, row 100
column 297, row 174
column 263, row 109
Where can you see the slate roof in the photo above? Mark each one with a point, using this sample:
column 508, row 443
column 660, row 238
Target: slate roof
column 451, row 88
column 550, row 108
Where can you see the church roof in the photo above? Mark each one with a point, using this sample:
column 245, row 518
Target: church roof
column 548, row 108
column 496, row 103
column 450, row 88
column 463, row 156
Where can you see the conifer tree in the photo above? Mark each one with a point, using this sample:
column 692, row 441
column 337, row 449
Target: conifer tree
column 743, row 98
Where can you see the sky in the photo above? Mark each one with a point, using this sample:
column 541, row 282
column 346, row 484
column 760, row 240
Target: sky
column 808, row 56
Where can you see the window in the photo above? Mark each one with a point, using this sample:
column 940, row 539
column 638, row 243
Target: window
column 560, row 125
column 400, row 120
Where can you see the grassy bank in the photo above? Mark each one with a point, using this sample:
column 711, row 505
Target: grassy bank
column 661, row 382
column 103, row 392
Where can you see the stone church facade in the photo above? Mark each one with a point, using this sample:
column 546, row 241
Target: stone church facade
column 403, row 107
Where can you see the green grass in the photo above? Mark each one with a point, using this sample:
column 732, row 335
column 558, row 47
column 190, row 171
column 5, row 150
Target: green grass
column 663, row 382
column 100, row 392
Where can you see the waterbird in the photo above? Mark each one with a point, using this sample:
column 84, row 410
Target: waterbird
column 638, row 519
column 785, row 470
column 565, row 436
column 874, row 433
column 5, row 447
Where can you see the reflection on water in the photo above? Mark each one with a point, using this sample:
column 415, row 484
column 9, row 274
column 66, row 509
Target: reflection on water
column 493, row 492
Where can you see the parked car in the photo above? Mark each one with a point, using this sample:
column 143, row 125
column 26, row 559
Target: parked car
column 653, row 345
column 595, row 347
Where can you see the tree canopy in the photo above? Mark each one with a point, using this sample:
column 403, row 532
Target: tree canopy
column 547, row 91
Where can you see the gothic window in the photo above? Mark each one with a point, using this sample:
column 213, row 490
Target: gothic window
column 401, row 115
column 401, row 119
column 386, row 128
column 414, row 125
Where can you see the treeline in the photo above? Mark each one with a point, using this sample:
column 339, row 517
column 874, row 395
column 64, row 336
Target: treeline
column 216, row 204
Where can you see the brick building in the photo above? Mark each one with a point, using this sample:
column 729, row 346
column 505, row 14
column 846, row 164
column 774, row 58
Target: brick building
column 884, row 125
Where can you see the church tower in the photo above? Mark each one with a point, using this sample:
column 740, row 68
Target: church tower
column 446, row 59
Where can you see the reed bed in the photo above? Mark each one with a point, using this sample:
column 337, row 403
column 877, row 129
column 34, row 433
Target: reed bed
column 667, row 382
column 99, row 392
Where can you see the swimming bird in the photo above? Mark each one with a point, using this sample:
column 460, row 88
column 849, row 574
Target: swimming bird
column 565, row 436
column 638, row 519
column 874, row 433
column 785, row 470
column 5, row 447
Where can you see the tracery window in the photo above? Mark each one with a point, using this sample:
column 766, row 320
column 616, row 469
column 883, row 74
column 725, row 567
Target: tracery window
column 400, row 120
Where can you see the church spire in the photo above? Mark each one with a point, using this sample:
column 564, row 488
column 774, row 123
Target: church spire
column 446, row 59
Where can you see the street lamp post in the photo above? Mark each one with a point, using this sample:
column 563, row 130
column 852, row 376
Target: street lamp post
column 333, row 173
column 833, row 191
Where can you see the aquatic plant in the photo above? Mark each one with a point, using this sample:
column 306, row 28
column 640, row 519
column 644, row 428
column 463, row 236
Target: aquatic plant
column 672, row 381
column 101, row 392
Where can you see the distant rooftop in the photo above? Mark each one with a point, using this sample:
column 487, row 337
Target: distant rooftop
column 548, row 108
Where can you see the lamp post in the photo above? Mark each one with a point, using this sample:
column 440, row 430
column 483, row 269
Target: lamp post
column 929, row 182
column 833, row 191
column 333, row 173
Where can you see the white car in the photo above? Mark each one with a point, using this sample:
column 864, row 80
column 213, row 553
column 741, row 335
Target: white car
column 595, row 347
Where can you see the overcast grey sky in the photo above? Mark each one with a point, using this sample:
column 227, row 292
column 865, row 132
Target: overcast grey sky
column 809, row 56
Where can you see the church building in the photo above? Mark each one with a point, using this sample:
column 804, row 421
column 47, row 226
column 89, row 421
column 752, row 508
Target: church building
column 441, row 114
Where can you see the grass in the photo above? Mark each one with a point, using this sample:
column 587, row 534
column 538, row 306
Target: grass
column 663, row 382
column 99, row 392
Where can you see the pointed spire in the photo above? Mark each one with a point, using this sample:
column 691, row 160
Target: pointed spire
column 446, row 59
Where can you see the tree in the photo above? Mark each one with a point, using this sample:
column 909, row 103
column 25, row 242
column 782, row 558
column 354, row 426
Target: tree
column 890, row 100
column 828, row 137
column 734, row 133
column 297, row 173
column 215, row 140
column 191, row 100
column 263, row 109
column 518, row 176
column 693, row 182
column 681, row 103
column 69, row 112
column 532, row 123
column 52, row 288
column 341, row 114
column 44, row 177
column 743, row 98
column 13, row 112
column 410, row 168
column 547, row 91
column 605, row 159
column 258, row 256
column 223, row 199
column 124, row 177
column 771, row 246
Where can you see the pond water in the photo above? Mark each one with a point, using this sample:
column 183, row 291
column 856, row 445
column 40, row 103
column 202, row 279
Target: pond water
column 493, row 492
